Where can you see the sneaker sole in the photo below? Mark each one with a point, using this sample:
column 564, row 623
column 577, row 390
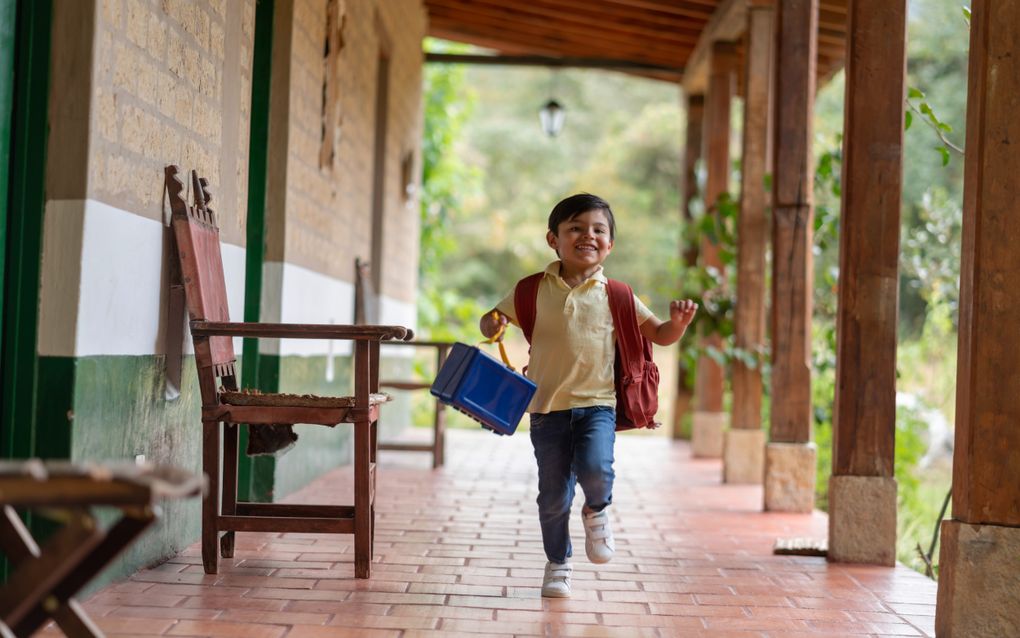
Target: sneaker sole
column 556, row 594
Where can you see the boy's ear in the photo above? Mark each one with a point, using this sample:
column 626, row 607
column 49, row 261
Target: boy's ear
column 551, row 240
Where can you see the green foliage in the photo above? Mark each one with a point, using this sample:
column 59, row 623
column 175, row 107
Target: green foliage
column 444, row 313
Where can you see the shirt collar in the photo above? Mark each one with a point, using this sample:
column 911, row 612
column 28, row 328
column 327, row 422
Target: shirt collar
column 554, row 270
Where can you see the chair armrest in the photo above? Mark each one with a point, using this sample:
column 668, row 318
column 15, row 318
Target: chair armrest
column 299, row 331
column 422, row 344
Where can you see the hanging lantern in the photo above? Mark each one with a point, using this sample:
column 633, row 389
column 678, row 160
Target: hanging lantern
column 552, row 116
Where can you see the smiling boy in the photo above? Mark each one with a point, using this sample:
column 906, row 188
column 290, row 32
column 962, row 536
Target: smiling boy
column 573, row 417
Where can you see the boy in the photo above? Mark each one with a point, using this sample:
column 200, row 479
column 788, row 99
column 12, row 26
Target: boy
column 573, row 411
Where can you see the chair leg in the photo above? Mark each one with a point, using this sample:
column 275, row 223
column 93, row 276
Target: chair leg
column 439, row 440
column 211, row 500
column 229, row 507
column 362, row 500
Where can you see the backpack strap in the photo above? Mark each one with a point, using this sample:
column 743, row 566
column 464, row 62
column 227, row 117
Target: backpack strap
column 629, row 339
column 526, row 302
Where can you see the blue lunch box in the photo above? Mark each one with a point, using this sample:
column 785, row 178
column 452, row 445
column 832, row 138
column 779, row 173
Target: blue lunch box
column 482, row 387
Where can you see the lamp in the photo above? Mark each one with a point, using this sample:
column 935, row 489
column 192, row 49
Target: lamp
column 552, row 115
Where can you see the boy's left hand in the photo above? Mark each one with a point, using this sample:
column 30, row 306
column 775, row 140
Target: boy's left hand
column 681, row 312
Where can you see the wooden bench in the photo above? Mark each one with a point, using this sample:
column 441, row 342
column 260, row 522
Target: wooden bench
column 45, row 578
column 225, row 406
column 366, row 311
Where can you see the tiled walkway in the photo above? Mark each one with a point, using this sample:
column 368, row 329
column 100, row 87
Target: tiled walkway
column 458, row 552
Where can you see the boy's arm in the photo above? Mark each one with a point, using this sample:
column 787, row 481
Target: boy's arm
column 664, row 333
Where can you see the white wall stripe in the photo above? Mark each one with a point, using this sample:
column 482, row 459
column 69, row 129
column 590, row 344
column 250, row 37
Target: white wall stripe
column 104, row 288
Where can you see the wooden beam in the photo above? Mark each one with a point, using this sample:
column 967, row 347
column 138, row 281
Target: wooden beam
column 586, row 35
column 987, row 451
column 548, row 61
column 752, row 228
column 710, row 375
column 792, row 221
column 656, row 25
column 548, row 40
column 726, row 24
column 864, row 415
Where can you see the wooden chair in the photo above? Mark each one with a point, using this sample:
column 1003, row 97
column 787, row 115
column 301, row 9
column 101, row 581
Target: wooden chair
column 45, row 579
column 366, row 310
column 201, row 272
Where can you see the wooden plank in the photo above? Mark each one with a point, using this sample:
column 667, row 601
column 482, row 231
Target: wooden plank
column 562, row 29
column 593, row 40
column 985, row 458
column 304, row 525
column 864, row 414
column 549, row 62
column 629, row 23
column 792, row 219
column 752, row 229
column 727, row 24
column 295, row 510
column 666, row 11
column 710, row 380
column 299, row 330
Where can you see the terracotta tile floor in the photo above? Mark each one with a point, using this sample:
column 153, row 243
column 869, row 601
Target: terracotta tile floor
column 458, row 552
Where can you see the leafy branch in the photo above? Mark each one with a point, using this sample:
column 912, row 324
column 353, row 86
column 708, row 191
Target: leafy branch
column 928, row 116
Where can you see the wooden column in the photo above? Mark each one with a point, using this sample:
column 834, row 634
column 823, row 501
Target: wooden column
column 790, row 457
column 862, row 490
column 709, row 418
column 744, row 453
column 980, row 554
column 688, row 251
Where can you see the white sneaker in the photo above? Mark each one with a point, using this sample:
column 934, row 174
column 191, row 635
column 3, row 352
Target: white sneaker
column 556, row 582
column 598, row 537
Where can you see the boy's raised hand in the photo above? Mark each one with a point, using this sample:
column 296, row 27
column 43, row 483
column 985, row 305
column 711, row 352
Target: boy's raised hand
column 493, row 325
column 681, row 312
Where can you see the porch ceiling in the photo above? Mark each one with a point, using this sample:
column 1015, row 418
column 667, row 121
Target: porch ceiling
column 664, row 34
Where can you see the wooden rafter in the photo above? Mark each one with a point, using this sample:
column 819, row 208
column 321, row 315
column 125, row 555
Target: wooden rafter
column 665, row 33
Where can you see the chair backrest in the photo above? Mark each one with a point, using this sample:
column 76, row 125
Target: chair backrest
column 366, row 302
column 197, row 241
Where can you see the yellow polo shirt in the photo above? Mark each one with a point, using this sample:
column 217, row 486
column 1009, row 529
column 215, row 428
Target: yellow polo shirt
column 573, row 342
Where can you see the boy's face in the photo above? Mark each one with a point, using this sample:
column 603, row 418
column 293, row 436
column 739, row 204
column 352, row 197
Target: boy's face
column 582, row 242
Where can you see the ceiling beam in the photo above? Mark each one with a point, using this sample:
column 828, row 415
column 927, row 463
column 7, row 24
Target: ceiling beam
column 727, row 24
column 546, row 61
column 550, row 41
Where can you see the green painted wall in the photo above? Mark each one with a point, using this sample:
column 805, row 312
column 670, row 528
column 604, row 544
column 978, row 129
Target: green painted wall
column 115, row 411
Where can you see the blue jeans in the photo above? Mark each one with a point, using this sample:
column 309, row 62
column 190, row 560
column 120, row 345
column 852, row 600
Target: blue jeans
column 571, row 446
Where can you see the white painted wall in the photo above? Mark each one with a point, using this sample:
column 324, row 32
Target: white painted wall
column 105, row 281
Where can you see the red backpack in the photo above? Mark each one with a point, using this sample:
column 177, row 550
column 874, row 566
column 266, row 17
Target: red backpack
column 635, row 374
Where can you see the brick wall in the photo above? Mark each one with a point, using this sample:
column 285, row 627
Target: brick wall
column 172, row 83
column 327, row 211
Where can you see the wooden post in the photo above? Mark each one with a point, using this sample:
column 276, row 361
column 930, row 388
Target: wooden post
column 709, row 419
column 862, row 490
column 688, row 251
column 744, row 453
column 980, row 554
column 790, row 455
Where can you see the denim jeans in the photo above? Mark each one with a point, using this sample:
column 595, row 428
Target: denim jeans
column 571, row 446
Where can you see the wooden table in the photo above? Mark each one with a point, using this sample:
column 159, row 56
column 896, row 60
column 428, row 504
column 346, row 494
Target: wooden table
column 45, row 578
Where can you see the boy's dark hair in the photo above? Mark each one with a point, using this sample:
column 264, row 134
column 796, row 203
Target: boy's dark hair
column 578, row 204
